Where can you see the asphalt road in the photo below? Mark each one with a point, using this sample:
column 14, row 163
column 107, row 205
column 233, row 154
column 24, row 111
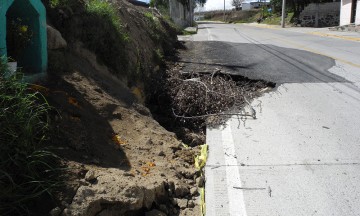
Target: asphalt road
column 301, row 156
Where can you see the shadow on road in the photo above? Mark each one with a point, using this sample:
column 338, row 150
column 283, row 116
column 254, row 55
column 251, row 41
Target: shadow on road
column 259, row 61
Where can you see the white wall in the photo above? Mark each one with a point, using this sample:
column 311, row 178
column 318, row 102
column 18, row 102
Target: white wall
column 357, row 18
column 246, row 6
column 345, row 13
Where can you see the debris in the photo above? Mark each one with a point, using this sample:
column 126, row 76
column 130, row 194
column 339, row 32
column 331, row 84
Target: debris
column 244, row 188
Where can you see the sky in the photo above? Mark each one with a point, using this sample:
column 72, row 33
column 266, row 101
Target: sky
column 212, row 5
column 217, row 5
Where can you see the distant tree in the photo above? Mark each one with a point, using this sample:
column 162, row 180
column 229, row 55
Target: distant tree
column 236, row 4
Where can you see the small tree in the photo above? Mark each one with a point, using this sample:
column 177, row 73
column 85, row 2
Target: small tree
column 237, row 4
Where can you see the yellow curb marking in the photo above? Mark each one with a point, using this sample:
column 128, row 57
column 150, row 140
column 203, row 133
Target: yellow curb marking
column 335, row 36
column 311, row 33
column 303, row 47
column 319, row 53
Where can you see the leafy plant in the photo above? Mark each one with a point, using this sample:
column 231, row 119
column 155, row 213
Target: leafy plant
column 19, row 36
column 27, row 169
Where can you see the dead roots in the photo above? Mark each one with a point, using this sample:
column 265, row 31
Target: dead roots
column 209, row 98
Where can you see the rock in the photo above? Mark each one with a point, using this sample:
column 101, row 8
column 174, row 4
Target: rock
column 161, row 153
column 55, row 212
column 194, row 191
column 181, row 190
column 182, row 203
column 67, row 212
column 191, row 204
column 54, row 39
column 90, row 176
column 200, row 181
column 155, row 212
column 174, row 202
column 142, row 109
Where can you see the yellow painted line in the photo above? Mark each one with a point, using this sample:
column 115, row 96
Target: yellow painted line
column 304, row 47
column 311, row 33
column 335, row 36
column 319, row 53
column 262, row 26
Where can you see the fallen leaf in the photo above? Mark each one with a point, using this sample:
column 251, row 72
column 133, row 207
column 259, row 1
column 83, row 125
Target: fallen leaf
column 118, row 140
column 73, row 102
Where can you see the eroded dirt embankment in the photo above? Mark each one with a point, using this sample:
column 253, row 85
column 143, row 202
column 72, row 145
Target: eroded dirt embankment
column 119, row 160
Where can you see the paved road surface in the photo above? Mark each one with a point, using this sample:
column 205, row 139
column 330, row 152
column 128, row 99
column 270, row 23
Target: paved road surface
column 301, row 156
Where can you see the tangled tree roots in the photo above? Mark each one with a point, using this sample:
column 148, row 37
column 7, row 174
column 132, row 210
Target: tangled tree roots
column 210, row 97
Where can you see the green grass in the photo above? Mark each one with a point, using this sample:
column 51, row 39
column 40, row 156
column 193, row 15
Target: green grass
column 106, row 10
column 276, row 19
column 27, row 170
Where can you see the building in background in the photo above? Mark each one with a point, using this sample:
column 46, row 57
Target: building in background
column 253, row 4
column 350, row 12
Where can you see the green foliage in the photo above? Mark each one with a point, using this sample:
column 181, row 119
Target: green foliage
column 107, row 11
column 276, row 19
column 27, row 170
column 62, row 3
column 276, row 5
column 158, row 56
column 149, row 15
column 19, row 36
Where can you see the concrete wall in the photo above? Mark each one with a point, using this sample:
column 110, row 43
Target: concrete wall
column 320, row 15
column 357, row 18
column 345, row 14
column 180, row 14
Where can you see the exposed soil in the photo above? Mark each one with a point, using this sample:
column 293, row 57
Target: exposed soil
column 121, row 160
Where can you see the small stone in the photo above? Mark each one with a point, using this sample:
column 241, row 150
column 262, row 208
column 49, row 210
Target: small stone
column 174, row 202
column 90, row 176
column 200, row 181
column 181, row 190
column 161, row 153
column 191, row 204
column 67, row 212
column 182, row 203
column 55, row 212
column 129, row 174
column 194, row 191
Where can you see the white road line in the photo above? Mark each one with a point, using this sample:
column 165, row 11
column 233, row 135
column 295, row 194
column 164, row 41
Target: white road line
column 210, row 38
column 236, row 196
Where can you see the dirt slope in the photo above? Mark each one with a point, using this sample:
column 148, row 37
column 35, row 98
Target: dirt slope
column 120, row 160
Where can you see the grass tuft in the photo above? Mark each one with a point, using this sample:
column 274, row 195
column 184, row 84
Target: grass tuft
column 27, row 169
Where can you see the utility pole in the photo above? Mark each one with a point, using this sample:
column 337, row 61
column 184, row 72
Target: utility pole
column 224, row 10
column 283, row 14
